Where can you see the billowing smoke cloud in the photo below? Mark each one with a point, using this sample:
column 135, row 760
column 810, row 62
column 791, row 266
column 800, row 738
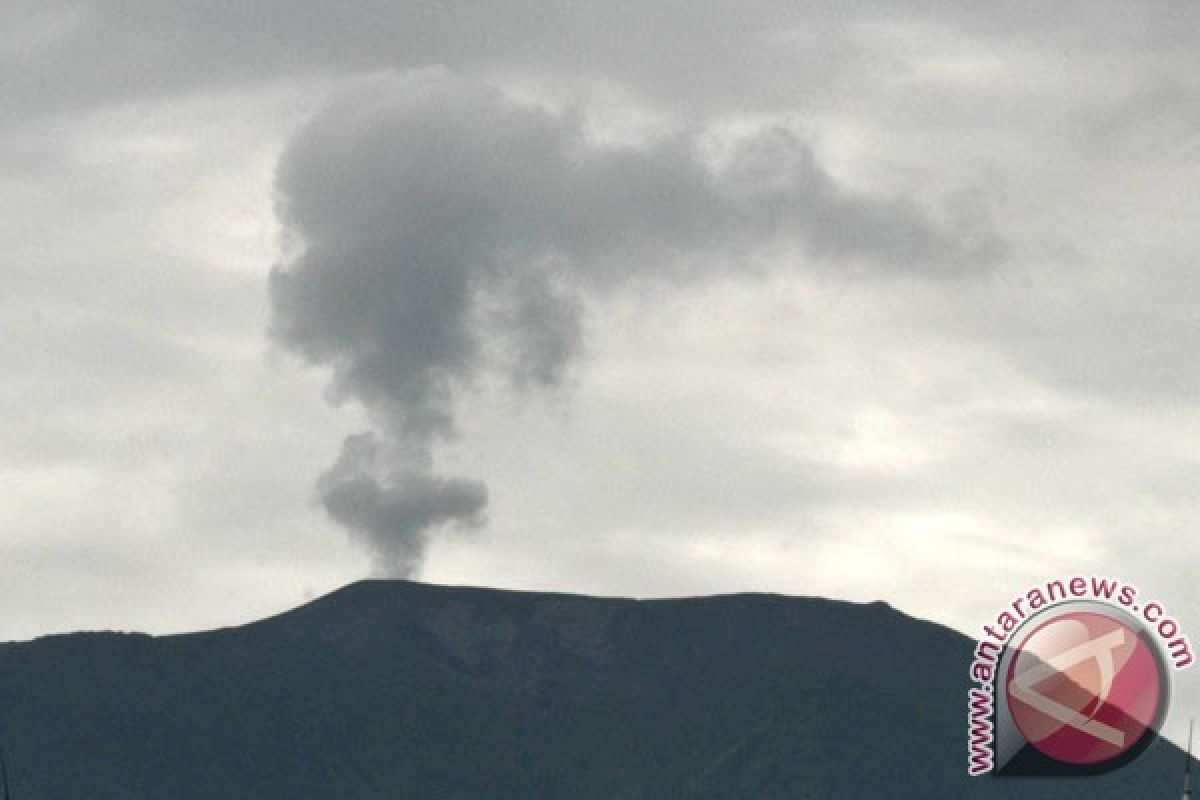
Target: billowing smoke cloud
column 392, row 499
column 443, row 230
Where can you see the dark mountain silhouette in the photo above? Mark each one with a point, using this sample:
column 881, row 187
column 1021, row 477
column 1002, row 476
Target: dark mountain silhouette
column 392, row 689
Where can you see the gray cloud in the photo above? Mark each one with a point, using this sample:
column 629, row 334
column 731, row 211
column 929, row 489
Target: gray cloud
column 444, row 232
column 393, row 500
column 79, row 53
column 62, row 55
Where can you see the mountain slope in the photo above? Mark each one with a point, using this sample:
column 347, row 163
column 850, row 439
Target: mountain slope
column 391, row 689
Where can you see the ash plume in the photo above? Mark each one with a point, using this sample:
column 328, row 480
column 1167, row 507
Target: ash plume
column 444, row 231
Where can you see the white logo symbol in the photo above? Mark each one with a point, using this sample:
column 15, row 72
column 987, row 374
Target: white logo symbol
column 1024, row 683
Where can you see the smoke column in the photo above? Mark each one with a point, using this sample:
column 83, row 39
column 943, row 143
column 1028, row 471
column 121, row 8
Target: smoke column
column 443, row 232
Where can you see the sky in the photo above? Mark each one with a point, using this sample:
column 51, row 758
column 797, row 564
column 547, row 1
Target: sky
column 863, row 300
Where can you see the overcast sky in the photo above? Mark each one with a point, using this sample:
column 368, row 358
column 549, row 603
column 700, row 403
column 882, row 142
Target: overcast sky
column 866, row 300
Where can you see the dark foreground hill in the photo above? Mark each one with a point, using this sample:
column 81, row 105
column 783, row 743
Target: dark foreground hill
column 403, row 690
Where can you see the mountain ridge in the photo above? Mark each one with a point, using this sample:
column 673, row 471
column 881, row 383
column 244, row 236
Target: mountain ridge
column 398, row 688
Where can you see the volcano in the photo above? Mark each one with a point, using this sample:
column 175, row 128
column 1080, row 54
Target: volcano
column 396, row 689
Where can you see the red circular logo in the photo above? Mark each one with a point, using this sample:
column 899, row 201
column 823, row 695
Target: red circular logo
column 1084, row 687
